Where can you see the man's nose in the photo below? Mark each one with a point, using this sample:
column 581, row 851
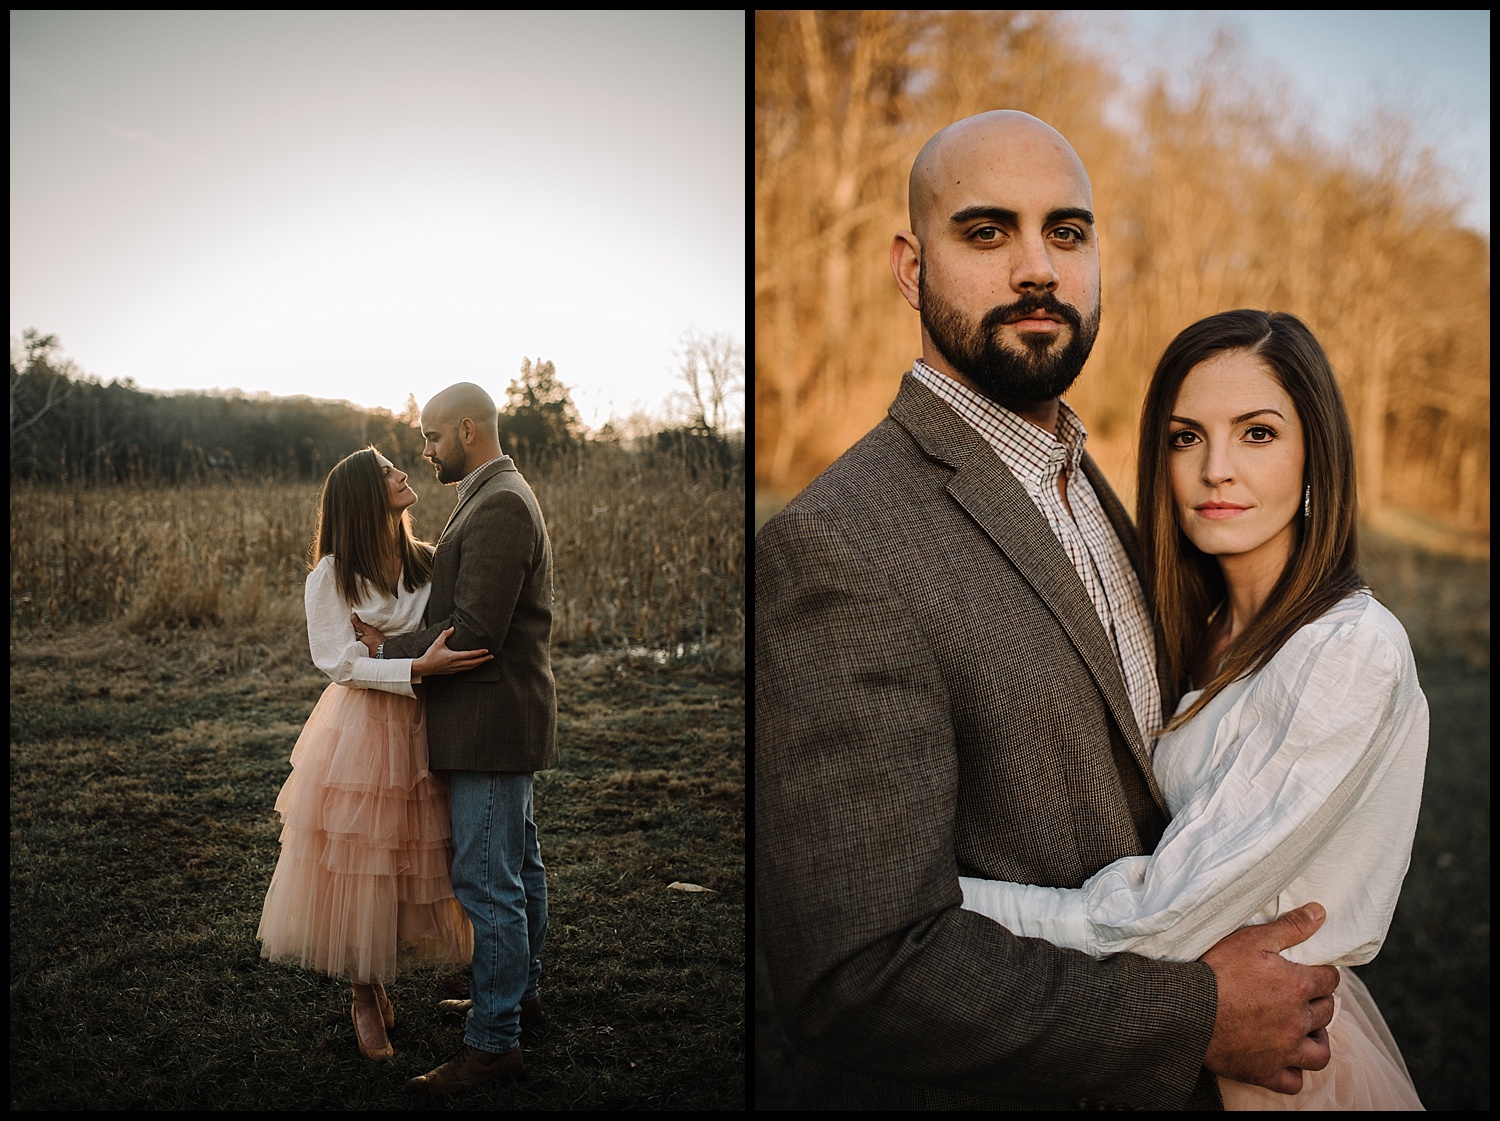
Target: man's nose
column 1034, row 269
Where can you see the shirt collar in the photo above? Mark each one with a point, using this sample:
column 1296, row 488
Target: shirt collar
column 1026, row 449
column 466, row 484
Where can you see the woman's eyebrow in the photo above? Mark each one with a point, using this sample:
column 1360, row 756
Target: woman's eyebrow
column 1235, row 420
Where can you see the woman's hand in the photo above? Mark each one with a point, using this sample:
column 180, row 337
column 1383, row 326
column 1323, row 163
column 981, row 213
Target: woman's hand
column 439, row 659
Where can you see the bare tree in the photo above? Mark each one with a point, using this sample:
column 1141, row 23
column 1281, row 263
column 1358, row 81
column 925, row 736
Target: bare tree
column 712, row 368
column 28, row 408
column 1211, row 197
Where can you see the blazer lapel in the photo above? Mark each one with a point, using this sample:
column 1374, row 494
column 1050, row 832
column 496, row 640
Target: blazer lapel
column 491, row 469
column 984, row 487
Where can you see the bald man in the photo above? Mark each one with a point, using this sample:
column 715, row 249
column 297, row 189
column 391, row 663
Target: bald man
column 489, row 728
column 955, row 674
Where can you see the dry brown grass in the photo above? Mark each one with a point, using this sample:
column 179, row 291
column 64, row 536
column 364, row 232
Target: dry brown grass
column 645, row 554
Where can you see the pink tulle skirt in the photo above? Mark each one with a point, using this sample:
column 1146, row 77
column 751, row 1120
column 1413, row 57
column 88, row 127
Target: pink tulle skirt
column 1365, row 1073
column 362, row 883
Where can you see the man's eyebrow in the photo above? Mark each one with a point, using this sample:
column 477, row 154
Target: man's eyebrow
column 1235, row 420
column 1009, row 217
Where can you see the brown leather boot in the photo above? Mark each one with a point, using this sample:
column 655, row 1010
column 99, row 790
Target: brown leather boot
column 468, row 1067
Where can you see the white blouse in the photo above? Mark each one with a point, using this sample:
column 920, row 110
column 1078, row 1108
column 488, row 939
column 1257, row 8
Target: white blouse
column 330, row 635
column 1298, row 784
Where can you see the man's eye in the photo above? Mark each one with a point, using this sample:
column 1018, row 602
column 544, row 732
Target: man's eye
column 986, row 233
column 1068, row 233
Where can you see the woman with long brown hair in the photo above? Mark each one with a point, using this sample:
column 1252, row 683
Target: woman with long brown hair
column 1293, row 764
column 362, row 884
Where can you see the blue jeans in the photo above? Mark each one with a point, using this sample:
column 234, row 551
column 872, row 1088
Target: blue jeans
column 499, row 879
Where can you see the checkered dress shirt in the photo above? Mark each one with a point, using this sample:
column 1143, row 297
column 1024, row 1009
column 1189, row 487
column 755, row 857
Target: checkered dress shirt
column 1038, row 460
column 466, row 484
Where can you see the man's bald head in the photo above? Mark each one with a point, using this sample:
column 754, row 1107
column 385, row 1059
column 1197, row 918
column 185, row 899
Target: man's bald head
column 1002, row 260
column 464, row 401
column 975, row 144
column 461, row 431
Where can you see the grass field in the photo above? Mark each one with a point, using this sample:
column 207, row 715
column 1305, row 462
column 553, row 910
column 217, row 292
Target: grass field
column 647, row 551
column 159, row 679
column 143, row 836
column 1431, row 979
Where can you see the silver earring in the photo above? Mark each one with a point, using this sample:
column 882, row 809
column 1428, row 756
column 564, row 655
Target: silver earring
column 1307, row 501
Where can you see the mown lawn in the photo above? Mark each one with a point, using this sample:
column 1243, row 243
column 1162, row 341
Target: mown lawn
column 143, row 835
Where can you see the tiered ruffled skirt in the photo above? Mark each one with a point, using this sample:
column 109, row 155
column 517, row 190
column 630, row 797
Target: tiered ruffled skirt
column 362, row 884
column 1365, row 1073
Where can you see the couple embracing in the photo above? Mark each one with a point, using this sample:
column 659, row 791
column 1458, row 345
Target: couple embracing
column 1053, row 811
column 408, row 836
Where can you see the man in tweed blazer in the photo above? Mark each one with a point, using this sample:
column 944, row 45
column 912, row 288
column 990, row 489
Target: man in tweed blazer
column 937, row 695
column 490, row 727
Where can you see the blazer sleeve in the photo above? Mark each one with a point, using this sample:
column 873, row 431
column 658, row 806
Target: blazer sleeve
column 1315, row 797
column 874, row 963
column 335, row 650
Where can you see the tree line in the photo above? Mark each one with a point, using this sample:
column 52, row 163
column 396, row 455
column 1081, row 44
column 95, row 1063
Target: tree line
column 68, row 427
column 1210, row 198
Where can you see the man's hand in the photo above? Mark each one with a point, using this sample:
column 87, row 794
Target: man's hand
column 1272, row 1013
column 367, row 634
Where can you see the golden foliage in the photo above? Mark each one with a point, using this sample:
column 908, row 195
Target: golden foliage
column 647, row 552
column 1209, row 200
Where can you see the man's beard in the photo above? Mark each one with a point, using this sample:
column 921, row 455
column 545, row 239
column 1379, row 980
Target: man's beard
column 453, row 472
column 1002, row 374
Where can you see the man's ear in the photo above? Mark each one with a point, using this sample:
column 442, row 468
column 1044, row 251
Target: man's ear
column 906, row 264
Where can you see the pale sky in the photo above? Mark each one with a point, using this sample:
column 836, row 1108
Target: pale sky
column 362, row 205
column 1433, row 65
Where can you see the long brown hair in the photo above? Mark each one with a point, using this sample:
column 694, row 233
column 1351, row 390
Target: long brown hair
column 1186, row 584
column 355, row 525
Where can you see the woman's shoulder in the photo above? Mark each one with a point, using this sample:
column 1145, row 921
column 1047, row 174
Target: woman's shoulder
column 322, row 572
column 1360, row 616
column 1357, row 636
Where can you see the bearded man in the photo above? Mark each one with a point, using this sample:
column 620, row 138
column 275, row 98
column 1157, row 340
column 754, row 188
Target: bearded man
column 955, row 674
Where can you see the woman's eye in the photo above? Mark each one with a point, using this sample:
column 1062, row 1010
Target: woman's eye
column 1260, row 434
column 1181, row 438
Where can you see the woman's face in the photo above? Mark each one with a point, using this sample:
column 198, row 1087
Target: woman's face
column 1236, row 456
column 398, row 494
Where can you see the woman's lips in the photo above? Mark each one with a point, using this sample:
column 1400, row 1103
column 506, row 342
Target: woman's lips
column 1217, row 513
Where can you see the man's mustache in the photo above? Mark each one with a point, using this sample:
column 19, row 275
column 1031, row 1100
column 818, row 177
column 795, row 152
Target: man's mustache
column 1029, row 305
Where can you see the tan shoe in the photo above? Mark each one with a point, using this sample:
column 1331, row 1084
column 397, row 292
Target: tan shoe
column 468, row 1067
column 387, row 1009
column 380, row 1049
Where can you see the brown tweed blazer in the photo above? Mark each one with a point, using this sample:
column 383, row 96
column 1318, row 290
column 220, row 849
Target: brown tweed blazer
column 492, row 581
column 935, row 696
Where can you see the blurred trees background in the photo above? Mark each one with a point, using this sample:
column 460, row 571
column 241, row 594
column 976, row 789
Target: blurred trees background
column 67, row 426
column 538, row 420
column 1212, row 199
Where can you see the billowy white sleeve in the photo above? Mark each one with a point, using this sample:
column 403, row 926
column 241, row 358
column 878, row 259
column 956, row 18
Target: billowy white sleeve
column 1314, row 798
column 335, row 650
